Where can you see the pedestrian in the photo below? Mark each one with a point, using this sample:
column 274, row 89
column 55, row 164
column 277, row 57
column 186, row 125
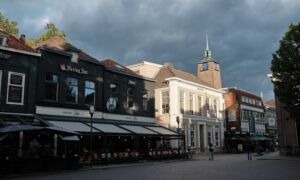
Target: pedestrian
column 249, row 149
column 210, row 152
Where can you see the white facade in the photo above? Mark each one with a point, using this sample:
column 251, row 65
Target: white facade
column 200, row 108
column 199, row 125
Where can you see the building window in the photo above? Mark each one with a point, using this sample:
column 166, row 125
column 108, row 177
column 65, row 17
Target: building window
column 71, row 90
column 191, row 104
column 182, row 102
column 204, row 66
column 217, row 66
column 15, row 88
column 113, row 87
column 192, row 135
column 0, row 83
column 209, row 140
column 165, row 102
column 207, row 107
column 51, row 87
column 130, row 95
column 2, row 40
column 215, row 109
column 89, row 93
column 145, row 101
column 200, row 108
column 217, row 136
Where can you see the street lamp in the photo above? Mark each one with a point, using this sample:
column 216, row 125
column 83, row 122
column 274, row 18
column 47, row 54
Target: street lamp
column 177, row 120
column 92, row 110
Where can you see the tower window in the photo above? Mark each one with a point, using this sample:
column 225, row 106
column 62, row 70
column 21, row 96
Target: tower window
column 204, row 66
column 217, row 66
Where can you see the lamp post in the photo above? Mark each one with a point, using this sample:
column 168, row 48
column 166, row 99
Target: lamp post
column 177, row 120
column 92, row 110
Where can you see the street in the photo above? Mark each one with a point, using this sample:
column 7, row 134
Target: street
column 225, row 166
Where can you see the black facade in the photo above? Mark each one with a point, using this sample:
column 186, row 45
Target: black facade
column 60, row 64
column 17, row 81
column 134, row 95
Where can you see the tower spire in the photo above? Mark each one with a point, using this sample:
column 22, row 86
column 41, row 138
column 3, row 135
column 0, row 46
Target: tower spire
column 207, row 53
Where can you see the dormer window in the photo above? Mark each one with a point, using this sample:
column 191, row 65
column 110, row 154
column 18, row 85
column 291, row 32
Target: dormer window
column 74, row 57
column 2, row 40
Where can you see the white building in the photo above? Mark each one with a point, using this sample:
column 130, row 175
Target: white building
column 197, row 101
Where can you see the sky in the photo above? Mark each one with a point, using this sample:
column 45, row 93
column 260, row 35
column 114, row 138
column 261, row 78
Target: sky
column 243, row 34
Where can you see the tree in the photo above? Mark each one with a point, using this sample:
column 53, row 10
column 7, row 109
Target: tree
column 9, row 26
column 51, row 31
column 286, row 71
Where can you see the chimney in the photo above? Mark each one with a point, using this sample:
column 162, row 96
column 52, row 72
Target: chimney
column 23, row 38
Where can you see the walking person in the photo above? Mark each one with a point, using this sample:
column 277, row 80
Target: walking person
column 249, row 149
column 210, row 152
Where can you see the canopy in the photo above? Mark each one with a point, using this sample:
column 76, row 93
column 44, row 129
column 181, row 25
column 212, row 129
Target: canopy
column 73, row 126
column 70, row 138
column 161, row 130
column 109, row 128
column 19, row 127
column 138, row 129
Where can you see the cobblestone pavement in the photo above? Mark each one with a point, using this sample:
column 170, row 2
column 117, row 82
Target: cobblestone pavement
column 224, row 167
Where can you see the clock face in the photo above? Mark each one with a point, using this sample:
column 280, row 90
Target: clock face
column 111, row 104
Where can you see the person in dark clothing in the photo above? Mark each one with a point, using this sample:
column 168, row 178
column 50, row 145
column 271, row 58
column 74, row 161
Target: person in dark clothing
column 210, row 152
column 249, row 149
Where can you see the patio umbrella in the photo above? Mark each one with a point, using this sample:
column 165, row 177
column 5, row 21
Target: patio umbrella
column 18, row 127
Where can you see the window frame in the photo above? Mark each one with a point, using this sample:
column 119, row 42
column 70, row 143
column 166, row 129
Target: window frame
column 76, row 99
column 57, row 86
column 0, row 84
column 9, row 84
column 182, row 104
column 167, row 111
column 191, row 103
column 91, row 89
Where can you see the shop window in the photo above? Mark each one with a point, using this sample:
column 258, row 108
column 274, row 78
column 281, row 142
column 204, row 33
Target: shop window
column 182, row 102
column 145, row 101
column 51, row 87
column 71, row 90
column 89, row 93
column 192, row 135
column 15, row 88
column 165, row 102
column 217, row 136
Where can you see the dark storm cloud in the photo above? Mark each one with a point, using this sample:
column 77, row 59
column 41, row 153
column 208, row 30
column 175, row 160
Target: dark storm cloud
column 242, row 34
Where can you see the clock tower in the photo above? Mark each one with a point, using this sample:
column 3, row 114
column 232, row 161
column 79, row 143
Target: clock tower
column 209, row 69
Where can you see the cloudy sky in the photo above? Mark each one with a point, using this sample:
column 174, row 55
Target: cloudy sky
column 243, row 34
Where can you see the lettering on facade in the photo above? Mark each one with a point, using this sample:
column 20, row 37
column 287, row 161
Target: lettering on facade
column 5, row 56
column 69, row 68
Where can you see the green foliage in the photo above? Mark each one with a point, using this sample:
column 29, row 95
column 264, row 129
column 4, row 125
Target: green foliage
column 51, row 31
column 286, row 71
column 9, row 26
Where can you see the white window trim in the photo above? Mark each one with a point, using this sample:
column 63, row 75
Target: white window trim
column 23, row 87
column 161, row 102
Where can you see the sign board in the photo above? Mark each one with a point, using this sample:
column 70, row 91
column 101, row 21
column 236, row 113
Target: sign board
column 69, row 68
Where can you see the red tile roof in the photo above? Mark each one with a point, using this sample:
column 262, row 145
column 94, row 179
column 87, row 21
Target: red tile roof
column 270, row 103
column 111, row 64
column 14, row 43
column 168, row 72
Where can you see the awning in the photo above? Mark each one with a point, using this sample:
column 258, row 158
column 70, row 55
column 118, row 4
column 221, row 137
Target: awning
column 19, row 127
column 59, row 129
column 73, row 126
column 3, row 137
column 161, row 130
column 138, row 129
column 110, row 128
column 70, row 138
